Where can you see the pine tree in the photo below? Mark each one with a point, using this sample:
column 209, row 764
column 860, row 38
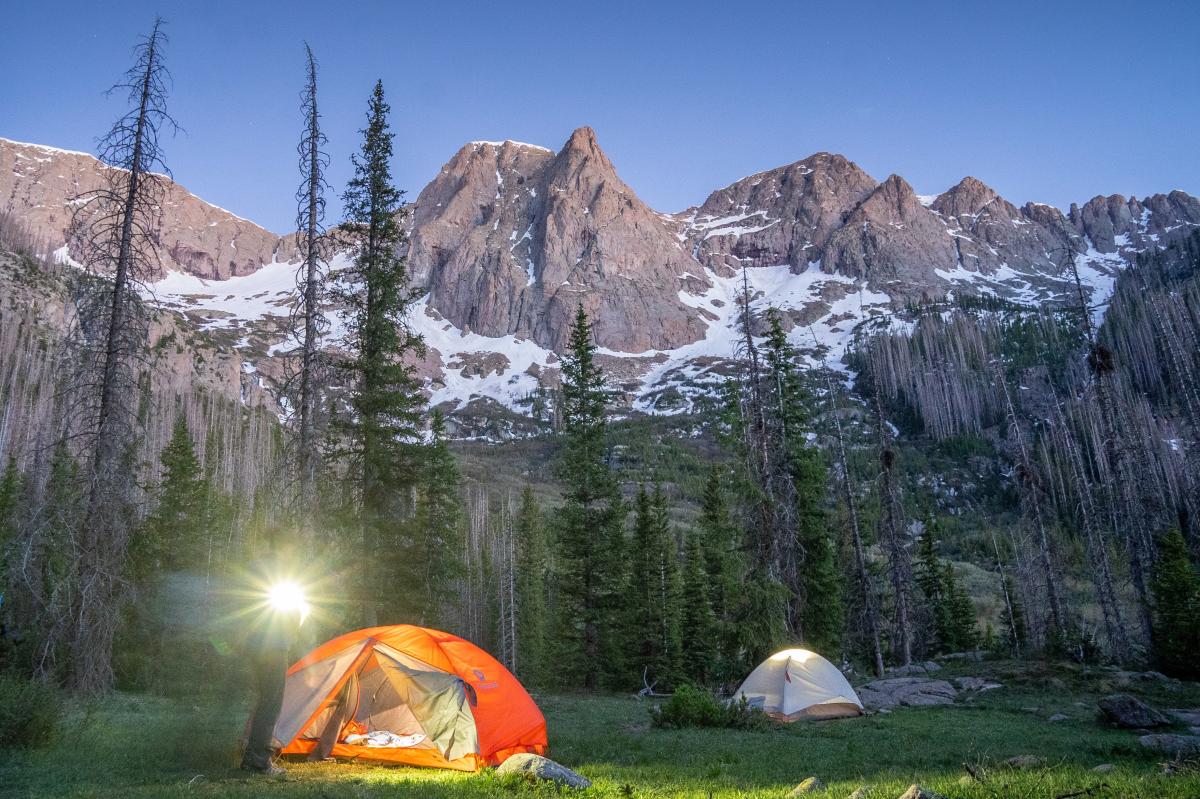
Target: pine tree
column 532, row 564
column 653, row 592
column 718, row 539
column 1177, row 609
column 963, row 630
column 808, row 567
column 699, row 628
column 431, row 558
column 50, row 581
column 930, row 577
column 822, row 613
column 11, row 486
column 174, row 535
column 382, row 432
column 589, row 522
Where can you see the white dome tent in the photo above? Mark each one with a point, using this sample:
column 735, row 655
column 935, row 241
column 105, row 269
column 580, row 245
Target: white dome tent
column 797, row 684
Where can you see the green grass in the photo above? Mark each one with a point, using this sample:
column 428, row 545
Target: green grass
column 137, row 746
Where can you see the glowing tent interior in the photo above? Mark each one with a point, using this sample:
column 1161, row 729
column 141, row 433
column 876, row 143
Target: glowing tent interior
column 798, row 684
column 407, row 695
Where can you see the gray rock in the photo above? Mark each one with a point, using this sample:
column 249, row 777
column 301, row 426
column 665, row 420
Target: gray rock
column 1025, row 762
column 808, row 785
column 1104, row 768
column 917, row 792
column 1059, row 717
column 908, row 691
column 1173, row 745
column 1190, row 716
column 975, row 684
column 543, row 768
column 859, row 793
column 931, row 667
column 1123, row 710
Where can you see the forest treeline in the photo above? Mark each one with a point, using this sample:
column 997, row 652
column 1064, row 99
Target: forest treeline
column 820, row 520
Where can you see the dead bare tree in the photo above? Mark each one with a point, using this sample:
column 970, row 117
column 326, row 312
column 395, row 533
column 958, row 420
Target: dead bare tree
column 308, row 322
column 1124, row 505
column 863, row 577
column 114, row 233
column 890, row 535
column 1028, row 489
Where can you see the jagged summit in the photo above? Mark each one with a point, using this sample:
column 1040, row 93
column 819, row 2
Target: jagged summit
column 197, row 237
column 509, row 238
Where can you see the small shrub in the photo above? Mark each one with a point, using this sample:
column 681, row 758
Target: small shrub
column 690, row 706
column 30, row 712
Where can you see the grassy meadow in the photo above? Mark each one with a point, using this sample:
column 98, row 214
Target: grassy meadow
column 140, row 746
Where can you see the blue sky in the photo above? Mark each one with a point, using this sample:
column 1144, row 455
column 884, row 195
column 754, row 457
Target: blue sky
column 1047, row 101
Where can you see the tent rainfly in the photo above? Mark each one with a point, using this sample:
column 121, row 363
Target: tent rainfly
column 407, row 695
column 797, row 684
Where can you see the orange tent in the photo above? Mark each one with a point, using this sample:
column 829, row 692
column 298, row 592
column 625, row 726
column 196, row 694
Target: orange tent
column 407, row 695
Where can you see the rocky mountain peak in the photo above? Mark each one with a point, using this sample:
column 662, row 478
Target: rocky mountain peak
column 969, row 196
column 511, row 239
column 37, row 184
column 782, row 216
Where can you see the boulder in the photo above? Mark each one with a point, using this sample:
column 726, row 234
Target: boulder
column 1173, row 745
column 1025, row 762
column 1129, row 712
column 917, row 792
column 908, row 691
column 1190, row 716
column 975, row 684
column 808, row 785
column 928, row 667
column 1103, row 768
column 1059, row 717
column 859, row 793
column 543, row 768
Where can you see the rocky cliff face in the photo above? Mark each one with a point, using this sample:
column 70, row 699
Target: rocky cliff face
column 38, row 185
column 509, row 238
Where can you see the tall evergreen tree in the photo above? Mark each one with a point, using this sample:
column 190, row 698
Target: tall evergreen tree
column 531, row 567
column 590, row 520
column 431, row 555
column 963, row 625
column 809, row 567
column 653, row 592
column 718, row 538
column 174, row 534
column 11, row 484
column 1177, row 609
column 700, row 634
column 930, row 578
column 382, row 431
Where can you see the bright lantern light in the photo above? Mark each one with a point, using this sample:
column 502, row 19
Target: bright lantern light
column 289, row 597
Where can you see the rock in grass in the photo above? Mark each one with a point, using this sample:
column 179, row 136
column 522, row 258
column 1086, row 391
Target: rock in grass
column 1123, row 710
column 808, row 786
column 543, row 768
column 1025, row 762
column 859, row 793
column 1190, row 716
column 1104, row 768
column 1173, row 745
column 1059, row 717
column 917, row 792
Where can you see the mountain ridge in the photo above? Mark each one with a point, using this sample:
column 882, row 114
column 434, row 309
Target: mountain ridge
column 509, row 237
